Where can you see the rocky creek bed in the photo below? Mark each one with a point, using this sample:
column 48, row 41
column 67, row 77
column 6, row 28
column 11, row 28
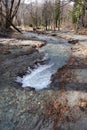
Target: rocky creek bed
column 61, row 107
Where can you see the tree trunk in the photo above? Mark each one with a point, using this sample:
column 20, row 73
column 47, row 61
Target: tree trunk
column 56, row 23
column 82, row 18
column 59, row 25
column 7, row 25
column 46, row 24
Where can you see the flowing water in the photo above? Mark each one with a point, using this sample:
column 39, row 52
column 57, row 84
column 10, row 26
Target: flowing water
column 58, row 51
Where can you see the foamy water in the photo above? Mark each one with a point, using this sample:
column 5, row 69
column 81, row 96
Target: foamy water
column 38, row 78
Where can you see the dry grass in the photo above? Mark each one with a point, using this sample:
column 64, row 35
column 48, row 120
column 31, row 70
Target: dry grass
column 57, row 111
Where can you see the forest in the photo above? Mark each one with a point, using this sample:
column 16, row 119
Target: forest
column 48, row 14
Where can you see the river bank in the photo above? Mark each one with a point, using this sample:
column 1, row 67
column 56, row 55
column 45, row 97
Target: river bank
column 16, row 56
column 63, row 106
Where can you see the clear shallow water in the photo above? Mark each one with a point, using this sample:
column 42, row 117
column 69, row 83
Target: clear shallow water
column 58, row 52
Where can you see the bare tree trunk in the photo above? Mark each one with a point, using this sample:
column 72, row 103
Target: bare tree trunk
column 56, row 23
column 8, row 23
column 10, row 11
column 46, row 24
column 59, row 25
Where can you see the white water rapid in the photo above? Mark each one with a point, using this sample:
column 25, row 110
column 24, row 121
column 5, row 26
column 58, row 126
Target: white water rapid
column 38, row 78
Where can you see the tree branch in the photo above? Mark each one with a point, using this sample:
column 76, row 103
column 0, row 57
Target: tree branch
column 12, row 3
column 16, row 9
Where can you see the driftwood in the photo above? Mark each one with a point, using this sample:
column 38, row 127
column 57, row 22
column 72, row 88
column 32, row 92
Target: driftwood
column 12, row 24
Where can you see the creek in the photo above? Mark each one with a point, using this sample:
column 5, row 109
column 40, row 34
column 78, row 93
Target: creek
column 57, row 51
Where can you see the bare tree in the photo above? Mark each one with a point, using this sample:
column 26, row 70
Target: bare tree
column 10, row 8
